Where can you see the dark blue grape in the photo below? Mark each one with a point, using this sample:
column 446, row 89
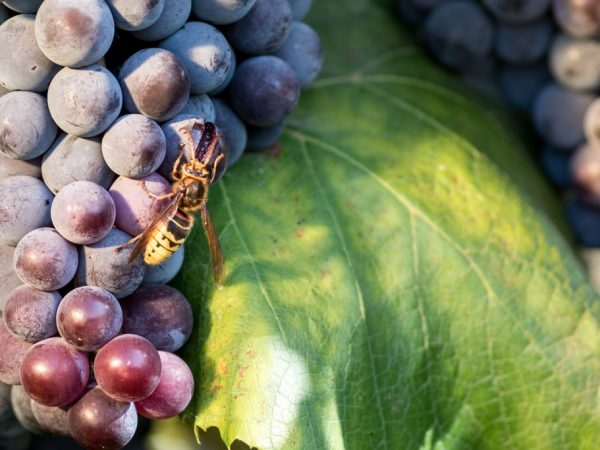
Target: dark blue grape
column 302, row 51
column 233, row 130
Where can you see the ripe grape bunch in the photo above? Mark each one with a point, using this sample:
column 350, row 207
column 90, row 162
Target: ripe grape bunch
column 96, row 99
column 543, row 57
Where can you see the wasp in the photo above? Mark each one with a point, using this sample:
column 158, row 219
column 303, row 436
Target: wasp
column 189, row 195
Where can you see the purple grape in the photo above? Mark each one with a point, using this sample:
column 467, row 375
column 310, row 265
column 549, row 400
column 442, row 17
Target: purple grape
column 233, row 129
column 584, row 218
column 591, row 123
column 225, row 84
column 23, row 6
column 262, row 137
column 88, row 317
column 517, row 11
column 30, row 314
column 520, row 84
column 155, row 83
column 585, row 169
column 26, row 127
column 300, row 8
column 205, row 52
column 53, row 373
column 525, row 43
column 302, row 51
column 174, row 391
column 83, row 212
column 264, row 90
column 160, row 273
column 558, row 115
column 99, row 422
column 74, row 33
column 127, row 368
column 160, row 314
column 73, row 158
column 221, row 12
column 100, row 265
column 134, row 15
column 12, row 167
column 136, row 210
column 575, row 63
column 23, row 66
column 263, row 29
column 8, row 277
column 578, row 18
column 11, row 356
column 52, row 419
column 85, row 101
column 45, row 260
column 201, row 106
column 556, row 167
column 170, row 20
column 134, row 146
column 22, row 406
column 24, row 206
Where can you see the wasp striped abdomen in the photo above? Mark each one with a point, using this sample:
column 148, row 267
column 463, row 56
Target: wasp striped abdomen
column 167, row 238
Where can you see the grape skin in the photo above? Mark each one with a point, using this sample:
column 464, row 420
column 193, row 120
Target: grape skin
column 300, row 8
column 154, row 83
column 262, row 137
column 200, row 106
column 517, row 11
column 52, row 419
column 84, row 101
column 25, row 204
column 234, row 131
column 23, row 66
column 204, row 51
column 12, row 167
column 100, row 422
column 524, row 44
column 584, row 168
column 8, row 277
column 134, row 146
column 578, row 18
column 591, row 123
column 584, row 219
column 74, row 33
column 72, row 158
column 160, row 273
column 520, row 84
column 11, row 356
column 221, row 12
column 26, row 127
column 134, row 15
column 21, row 405
column 4, row 14
column 302, row 51
column 575, row 63
column 23, row 6
column 30, row 314
column 556, row 167
column 170, row 20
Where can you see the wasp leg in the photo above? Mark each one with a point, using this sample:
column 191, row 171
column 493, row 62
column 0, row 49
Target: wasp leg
column 215, row 166
column 128, row 243
column 157, row 197
column 175, row 171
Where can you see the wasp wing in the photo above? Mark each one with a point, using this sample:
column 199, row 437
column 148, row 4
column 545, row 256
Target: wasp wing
column 167, row 213
column 216, row 254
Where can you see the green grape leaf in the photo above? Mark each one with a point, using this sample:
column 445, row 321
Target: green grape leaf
column 396, row 273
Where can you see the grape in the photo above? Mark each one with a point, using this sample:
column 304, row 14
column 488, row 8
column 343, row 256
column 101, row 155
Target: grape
column 127, row 368
column 263, row 29
column 584, row 219
column 12, row 167
column 83, row 212
column 556, row 167
column 174, row 391
column 171, row 19
column 45, row 260
column 21, row 405
column 302, row 51
column 4, row 14
column 72, row 158
column 579, row 18
column 204, row 51
column 52, row 419
column 264, row 90
column 160, row 273
column 521, row 84
column 53, row 373
column 100, row 265
column 575, row 63
column 221, row 88
column 221, row 12
column 459, row 34
column 23, row 6
column 517, row 11
column 233, row 129
column 134, row 146
column 136, row 210
column 523, row 44
column 558, row 115
column 11, row 356
column 74, row 33
column 263, row 137
column 135, row 14
column 591, row 123
column 30, row 314
column 200, row 106
column 24, row 206
column 155, row 83
column 585, row 169
column 98, row 422
column 8, row 277
column 85, row 101
column 160, row 314
column 88, row 317
column 300, row 8
column 23, row 66
column 26, row 128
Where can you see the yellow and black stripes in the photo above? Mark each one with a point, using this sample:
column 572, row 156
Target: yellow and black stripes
column 167, row 238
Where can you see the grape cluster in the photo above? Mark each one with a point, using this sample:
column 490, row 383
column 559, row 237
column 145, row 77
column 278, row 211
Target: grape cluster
column 543, row 57
column 95, row 100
